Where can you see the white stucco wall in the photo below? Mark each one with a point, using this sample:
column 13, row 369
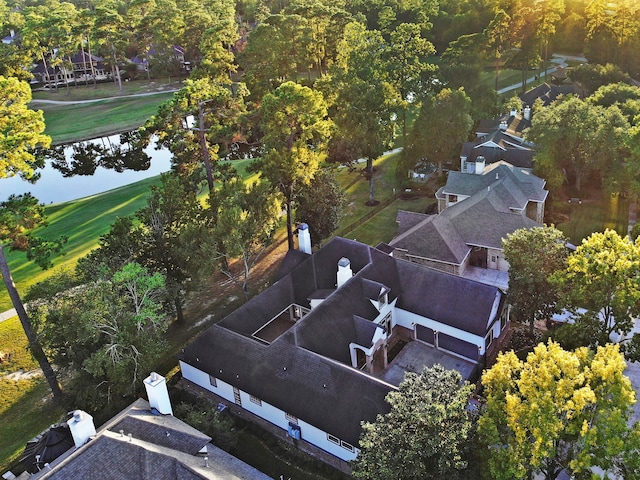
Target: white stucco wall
column 268, row 412
column 409, row 319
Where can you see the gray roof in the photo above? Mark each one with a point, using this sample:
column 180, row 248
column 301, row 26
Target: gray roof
column 519, row 183
column 427, row 293
column 496, row 144
column 161, row 447
column 307, row 370
column 435, row 238
column 407, row 220
column 548, row 93
column 495, row 207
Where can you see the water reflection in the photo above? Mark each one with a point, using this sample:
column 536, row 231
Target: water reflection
column 86, row 168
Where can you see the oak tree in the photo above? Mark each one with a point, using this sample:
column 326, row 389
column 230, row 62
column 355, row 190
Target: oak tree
column 425, row 434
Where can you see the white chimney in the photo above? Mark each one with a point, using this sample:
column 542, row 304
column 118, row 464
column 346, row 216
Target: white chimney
column 304, row 238
column 344, row 271
column 513, row 112
column 479, row 165
column 527, row 113
column 503, row 125
column 158, row 394
column 81, row 427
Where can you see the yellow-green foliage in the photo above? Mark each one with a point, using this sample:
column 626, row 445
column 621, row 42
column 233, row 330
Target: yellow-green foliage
column 556, row 408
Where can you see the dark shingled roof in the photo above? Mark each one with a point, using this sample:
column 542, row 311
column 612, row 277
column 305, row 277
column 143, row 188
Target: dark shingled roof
column 307, row 370
column 300, row 382
column 146, row 427
column 110, row 459
column 427, row 293
column 435, row 238
column 549, row 93
column 407, row 220
column 495, row 207
column 161, row 447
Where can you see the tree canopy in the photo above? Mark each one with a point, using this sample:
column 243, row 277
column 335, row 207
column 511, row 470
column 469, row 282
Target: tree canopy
column 426, row 433
column 296, row 131
column 534, row 255
column 555, row 410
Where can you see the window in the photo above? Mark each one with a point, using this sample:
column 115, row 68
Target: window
column 488, row 339
column 333, row 439
column 255, row 400
column 236, row 396
column 503, row 321
column 346, row 445
column 493, row 258
column 291, row 418
column 212, row 381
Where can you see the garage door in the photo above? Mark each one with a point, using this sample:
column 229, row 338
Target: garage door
column 425, row 334
column 455, row 345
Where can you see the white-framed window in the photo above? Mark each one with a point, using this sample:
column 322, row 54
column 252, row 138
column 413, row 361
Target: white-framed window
column 291, row 418
column 488, row 340
column 503, row 321
column 236, row 396
column 213, row 381
column 333, row 439
column 346, row 445
column 255, row 400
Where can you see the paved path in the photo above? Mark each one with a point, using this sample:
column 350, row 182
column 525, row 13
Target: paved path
column 94, row 100
column 559, row 60
column 8, row 314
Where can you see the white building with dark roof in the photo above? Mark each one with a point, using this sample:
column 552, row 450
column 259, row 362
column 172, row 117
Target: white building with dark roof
column 315, row 354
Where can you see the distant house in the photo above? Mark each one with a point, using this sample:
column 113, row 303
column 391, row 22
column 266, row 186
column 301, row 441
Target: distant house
column 316, row 353
column 143, row 442
column 142, row 61
column 549, row 93
column 80, row 67
column 476, row 211
column 498, row 140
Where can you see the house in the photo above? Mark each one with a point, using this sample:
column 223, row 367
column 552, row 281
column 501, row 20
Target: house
column 549, row 93
column 316, row 353
column 142, row 62
column 475, row 212
column 498, row 140
column 86, row 67
column 144, row 441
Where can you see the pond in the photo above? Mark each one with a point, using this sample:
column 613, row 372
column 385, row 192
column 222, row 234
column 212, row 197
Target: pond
column 54, row 187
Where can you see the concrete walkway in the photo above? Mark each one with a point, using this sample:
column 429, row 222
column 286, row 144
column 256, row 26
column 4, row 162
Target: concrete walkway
column 8, row 314
column 558, row 60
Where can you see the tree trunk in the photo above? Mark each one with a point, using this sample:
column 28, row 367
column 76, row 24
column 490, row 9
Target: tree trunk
column 34, row 345
column 372, row 199
column 205, row 148
column 177, row 301
column 289, row 225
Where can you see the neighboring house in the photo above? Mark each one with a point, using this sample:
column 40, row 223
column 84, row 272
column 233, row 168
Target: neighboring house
column 11, row 38
column 79, row 67
column 549, row 93
column 143, row 442
column 86, row 66
column 316, row 353
column 476, row 211
column 142, row 62
column 499, row 140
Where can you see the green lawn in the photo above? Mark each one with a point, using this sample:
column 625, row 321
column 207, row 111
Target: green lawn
column 106, row 90
column 23, row 412
column 595, row 215
column 98, row 119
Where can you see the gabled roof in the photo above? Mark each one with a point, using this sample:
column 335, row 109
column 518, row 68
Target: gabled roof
column 548, row 93
column 519, row 183
column 435, row 237
column 161, row 447
column 495, row 205
column 426, row 288
column 307, row 370
column 501, row 139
